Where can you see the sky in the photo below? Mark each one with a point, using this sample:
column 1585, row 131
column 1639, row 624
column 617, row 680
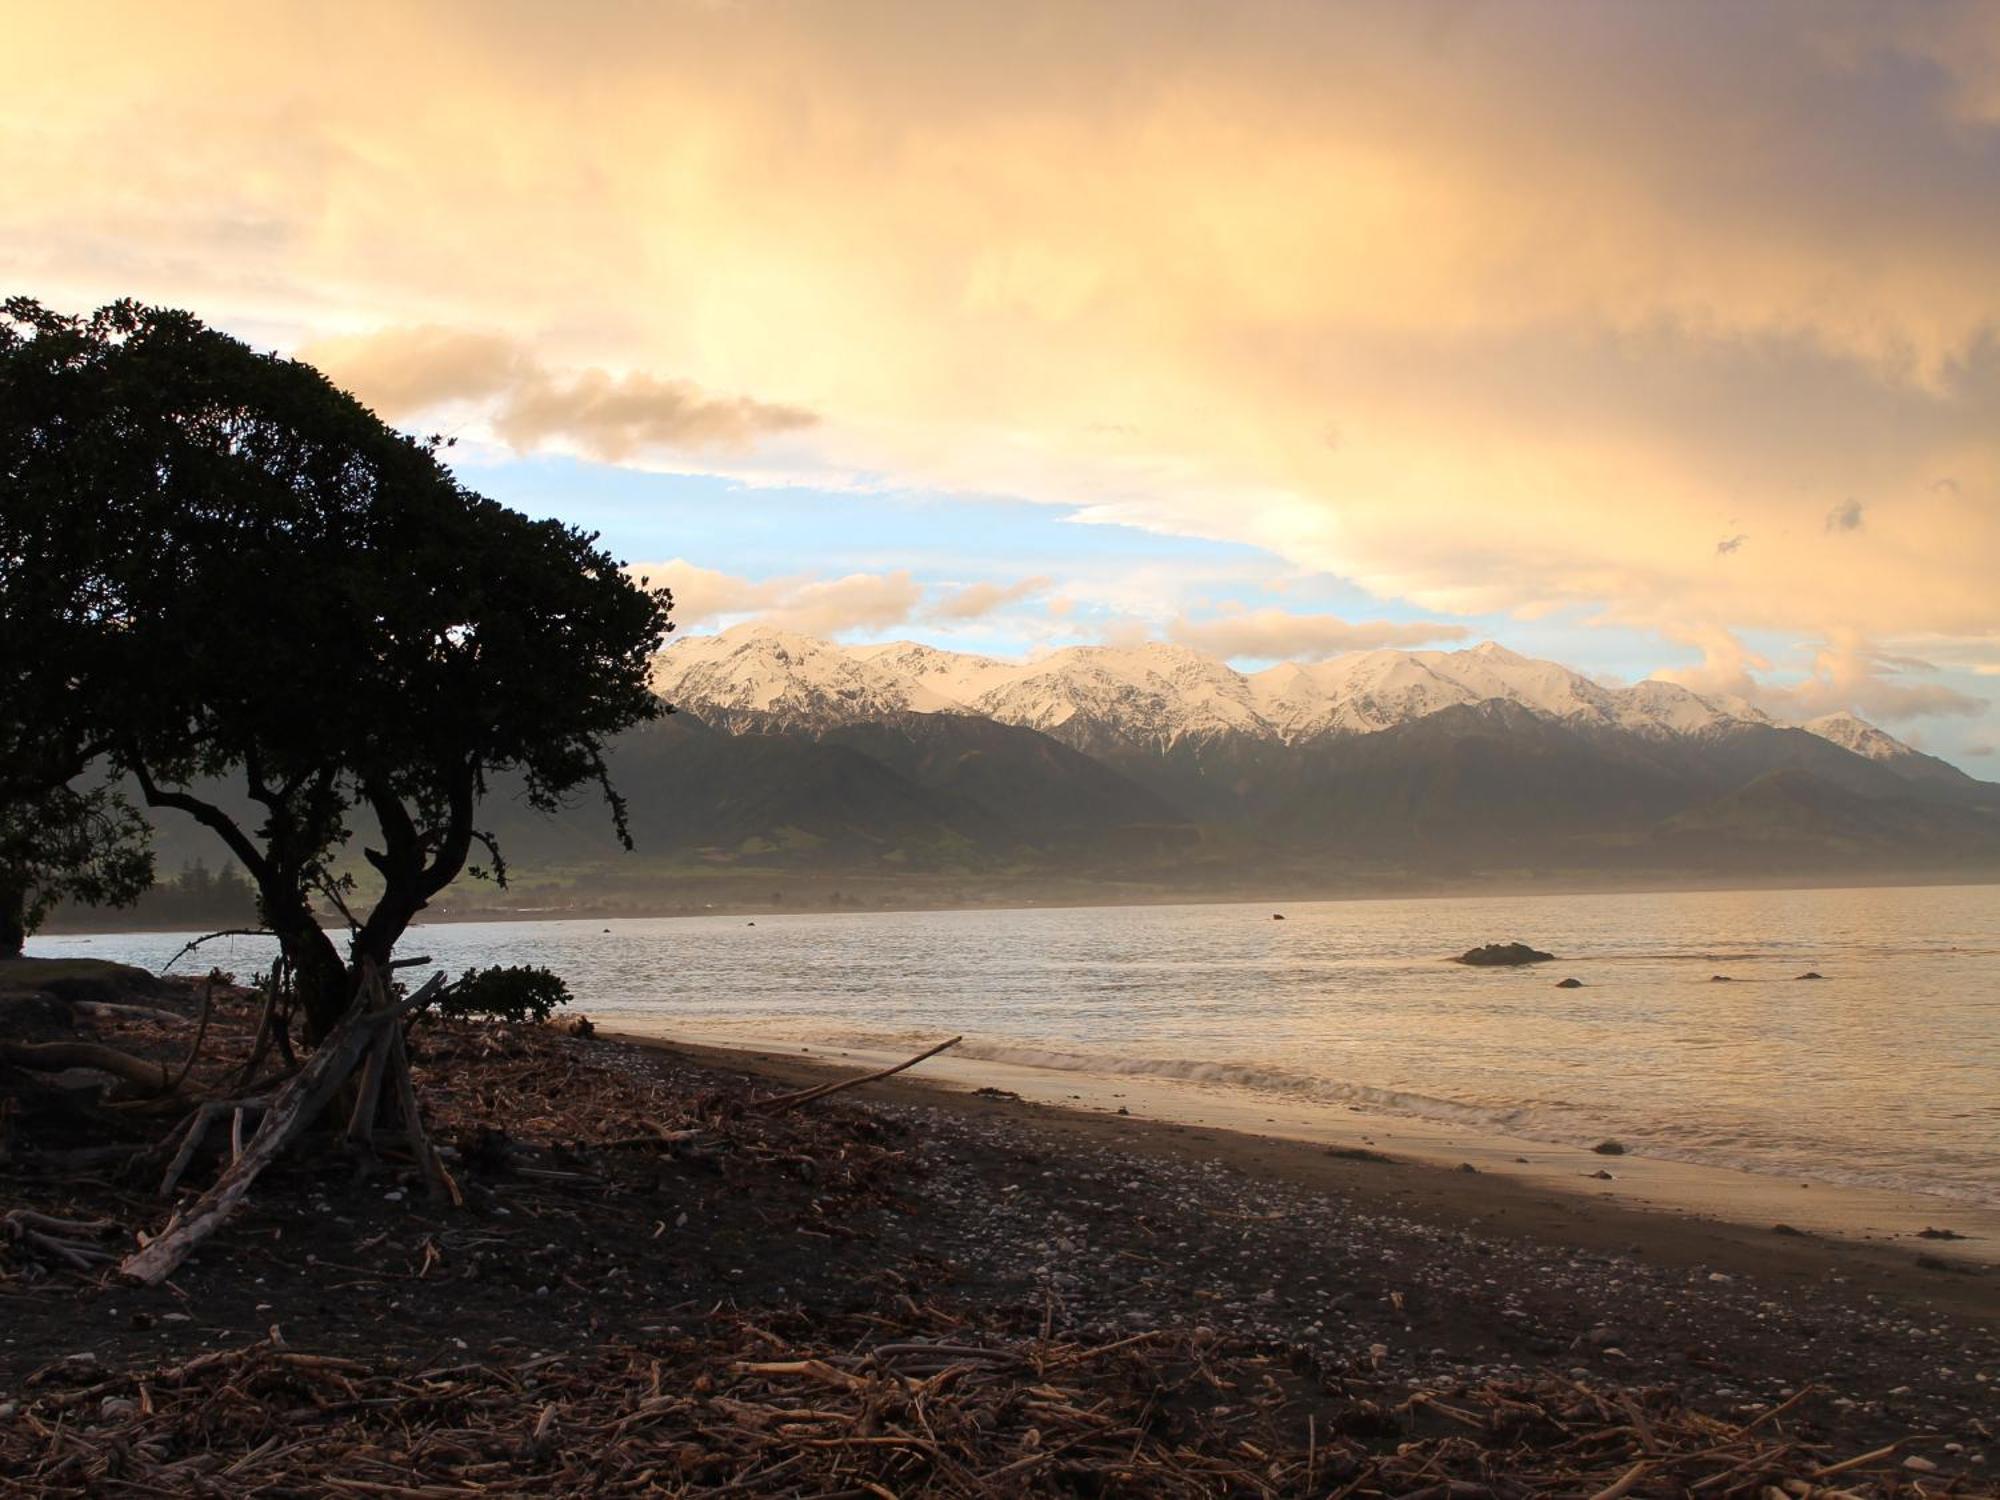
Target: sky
column 1654, row 339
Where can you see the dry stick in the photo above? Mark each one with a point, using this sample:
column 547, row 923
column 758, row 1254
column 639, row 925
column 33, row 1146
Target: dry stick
column 361, row 1124
column 436, row 1177
column 209, row 937
column 291, row 1110
column 200, row 1033
column 197, row 1129
column 1624, row 1482
column 778, row 1103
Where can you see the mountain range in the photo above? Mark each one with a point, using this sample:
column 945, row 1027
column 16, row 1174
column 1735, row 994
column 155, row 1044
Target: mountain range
column 1160, row 767
column 790, row 748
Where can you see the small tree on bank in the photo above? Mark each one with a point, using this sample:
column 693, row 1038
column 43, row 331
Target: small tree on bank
column 287, row 595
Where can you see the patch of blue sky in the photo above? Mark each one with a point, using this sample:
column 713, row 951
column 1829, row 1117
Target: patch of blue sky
column 1106, row 580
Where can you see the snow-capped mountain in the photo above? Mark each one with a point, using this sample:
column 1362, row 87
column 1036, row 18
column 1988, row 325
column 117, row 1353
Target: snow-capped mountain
column 1858, row 735
column 1158, row 695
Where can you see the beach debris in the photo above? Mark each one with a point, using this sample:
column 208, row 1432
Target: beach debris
column 1928, row 1233
column 793, row 1100
column 1609, row 1148
column 1572, row 983
column 934, row 1406
column 1502, row 955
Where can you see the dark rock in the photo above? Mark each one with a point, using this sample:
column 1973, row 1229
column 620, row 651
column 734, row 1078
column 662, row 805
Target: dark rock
column 1601, row 1175
column 1720, row 979
column 1466, row 1166
column 1277, row 916
column 1812, row 974
column 1569, row 984
column 1939, row 1234
column 1788, row 1230
column 1609, row 1148
column 1502, row 955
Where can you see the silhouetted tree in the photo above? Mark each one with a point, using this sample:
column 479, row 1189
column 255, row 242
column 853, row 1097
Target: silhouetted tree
column 287, row 594
column 68, row 844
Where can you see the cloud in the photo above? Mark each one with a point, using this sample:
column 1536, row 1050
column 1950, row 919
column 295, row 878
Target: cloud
column 706, row 598
column 978, row 599
column 1845, row 516
column 1276, row 635
column 407, row 373
column 1128, row 258
column 1845, row 673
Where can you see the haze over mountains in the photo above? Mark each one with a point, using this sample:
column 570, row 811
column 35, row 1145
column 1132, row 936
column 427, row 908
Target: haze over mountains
column 792, row 760
column 790, row 749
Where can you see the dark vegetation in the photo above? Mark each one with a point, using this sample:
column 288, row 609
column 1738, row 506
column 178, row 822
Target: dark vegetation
column 197, row 899
column 222, row 570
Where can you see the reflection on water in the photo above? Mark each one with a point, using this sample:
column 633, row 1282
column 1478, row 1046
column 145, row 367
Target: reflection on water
column 1887, row 1071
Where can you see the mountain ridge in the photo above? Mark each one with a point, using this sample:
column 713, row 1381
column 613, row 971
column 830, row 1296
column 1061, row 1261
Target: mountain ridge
column 1158, row 694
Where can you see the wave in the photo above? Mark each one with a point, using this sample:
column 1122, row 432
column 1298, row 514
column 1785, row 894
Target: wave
column 1549, row 1122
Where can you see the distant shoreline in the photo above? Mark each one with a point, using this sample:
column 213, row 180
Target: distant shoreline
column 1097, row 899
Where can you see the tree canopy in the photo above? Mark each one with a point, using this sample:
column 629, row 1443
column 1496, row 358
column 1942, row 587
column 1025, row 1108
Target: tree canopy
column 244, row 576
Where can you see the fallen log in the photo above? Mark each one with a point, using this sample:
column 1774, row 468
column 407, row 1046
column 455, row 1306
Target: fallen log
column 778, row 1103
column 55, row 1057
column 291, row 1110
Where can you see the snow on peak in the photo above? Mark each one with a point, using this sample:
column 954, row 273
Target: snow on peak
column 1851, row 732
column 1159, row 694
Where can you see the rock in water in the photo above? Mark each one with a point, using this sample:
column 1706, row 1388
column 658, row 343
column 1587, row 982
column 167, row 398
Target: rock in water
column 1500, row 955
column 1569, row 984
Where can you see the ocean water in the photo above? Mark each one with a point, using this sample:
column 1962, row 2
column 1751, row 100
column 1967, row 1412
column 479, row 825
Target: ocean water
column 1886, row 1072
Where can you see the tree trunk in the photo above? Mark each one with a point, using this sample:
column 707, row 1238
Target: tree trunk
column 324, row 985
column 13, row 919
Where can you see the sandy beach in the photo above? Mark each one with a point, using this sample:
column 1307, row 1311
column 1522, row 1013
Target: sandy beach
column 1508, row 1170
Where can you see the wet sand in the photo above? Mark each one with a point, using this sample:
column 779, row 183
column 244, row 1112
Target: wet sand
column 1681, row 1213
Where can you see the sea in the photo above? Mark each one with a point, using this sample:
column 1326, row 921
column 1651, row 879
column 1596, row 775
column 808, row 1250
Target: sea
column 1692, row 1036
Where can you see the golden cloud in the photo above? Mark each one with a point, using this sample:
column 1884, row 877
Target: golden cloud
column 1514, row 306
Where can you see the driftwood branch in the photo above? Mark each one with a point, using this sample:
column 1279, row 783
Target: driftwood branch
column 291, row 1110
column 54, row 1057
column 208, row 937
column 778, row 1103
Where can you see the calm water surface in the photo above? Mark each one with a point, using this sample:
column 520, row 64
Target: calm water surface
column 1886, row 1072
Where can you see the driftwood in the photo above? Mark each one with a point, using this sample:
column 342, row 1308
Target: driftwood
column 291, row 1110
column 54, row 1057
column 950, row 1412
column 209, row 937
column 778, row 1103
column 59, row 1239
column 107, row 1010
column 197, row 1129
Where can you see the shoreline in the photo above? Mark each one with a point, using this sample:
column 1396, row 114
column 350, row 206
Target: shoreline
column 1684, row 1213
column 1375, row 890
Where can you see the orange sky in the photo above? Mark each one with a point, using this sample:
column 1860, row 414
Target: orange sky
column 1678, row 317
